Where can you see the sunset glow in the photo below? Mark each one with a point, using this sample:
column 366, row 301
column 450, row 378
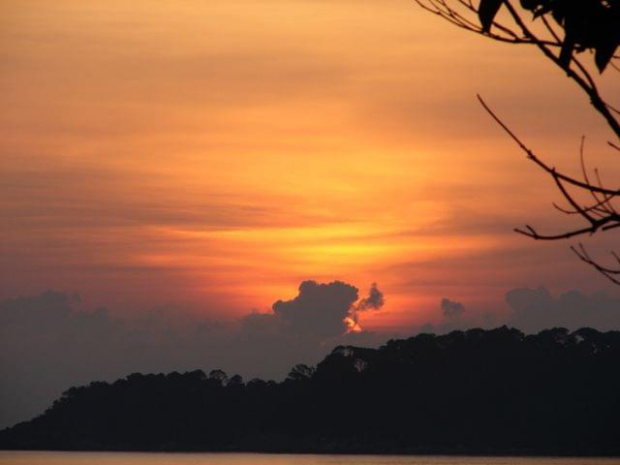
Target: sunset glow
column 213, row 193
column 216, row 154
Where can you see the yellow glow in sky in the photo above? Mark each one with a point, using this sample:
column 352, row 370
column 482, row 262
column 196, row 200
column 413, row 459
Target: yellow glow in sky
column 219, row 153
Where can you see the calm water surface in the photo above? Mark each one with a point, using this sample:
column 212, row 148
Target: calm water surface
column 113, row 458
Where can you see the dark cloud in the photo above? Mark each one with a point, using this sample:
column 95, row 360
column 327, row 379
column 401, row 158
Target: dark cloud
column 532, row 310
column 536, row 309
column 261, row 323
column 374, row 301
column 48, row 345
column 318, row 310
column 453, row 319
column 44, row 343
column 451, row 308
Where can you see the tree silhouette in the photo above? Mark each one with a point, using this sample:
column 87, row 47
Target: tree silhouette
column 467, row 392
column 300, row 372
column 561, row 30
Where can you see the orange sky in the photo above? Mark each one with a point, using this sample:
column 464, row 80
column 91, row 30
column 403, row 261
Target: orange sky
column 217, row 153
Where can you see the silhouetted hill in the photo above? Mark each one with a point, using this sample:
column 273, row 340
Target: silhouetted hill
column 482, row 392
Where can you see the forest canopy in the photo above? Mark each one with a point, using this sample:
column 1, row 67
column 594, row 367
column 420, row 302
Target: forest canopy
column 475, row 392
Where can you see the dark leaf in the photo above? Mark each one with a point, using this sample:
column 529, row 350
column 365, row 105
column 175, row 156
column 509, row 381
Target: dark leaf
column 529, row 4
column 487, row 11
column 604, row 53
column 558, row 14
column 606, row 34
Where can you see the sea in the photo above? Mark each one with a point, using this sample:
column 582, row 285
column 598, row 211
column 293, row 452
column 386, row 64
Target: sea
column 121, row 458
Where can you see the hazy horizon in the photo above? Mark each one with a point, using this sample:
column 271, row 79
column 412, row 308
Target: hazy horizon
column 172, row 170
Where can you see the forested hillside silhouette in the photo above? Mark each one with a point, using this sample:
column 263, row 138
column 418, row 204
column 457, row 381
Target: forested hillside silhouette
column 474, row 392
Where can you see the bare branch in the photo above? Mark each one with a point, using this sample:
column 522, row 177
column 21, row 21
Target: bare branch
column 535, row 159
column 613, row 274
column 561, row 48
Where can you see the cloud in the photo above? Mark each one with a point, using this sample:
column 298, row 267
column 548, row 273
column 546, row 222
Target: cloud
column 536, row 309
column 261, row 323
column 318, row 310
column 374, row 301
column 451, row 309
column 47, row 345
column 531, row 311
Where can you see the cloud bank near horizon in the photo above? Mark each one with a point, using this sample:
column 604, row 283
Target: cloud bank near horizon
column 47, row 345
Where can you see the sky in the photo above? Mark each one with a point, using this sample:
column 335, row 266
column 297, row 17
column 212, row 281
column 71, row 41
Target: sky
column 173, row 168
